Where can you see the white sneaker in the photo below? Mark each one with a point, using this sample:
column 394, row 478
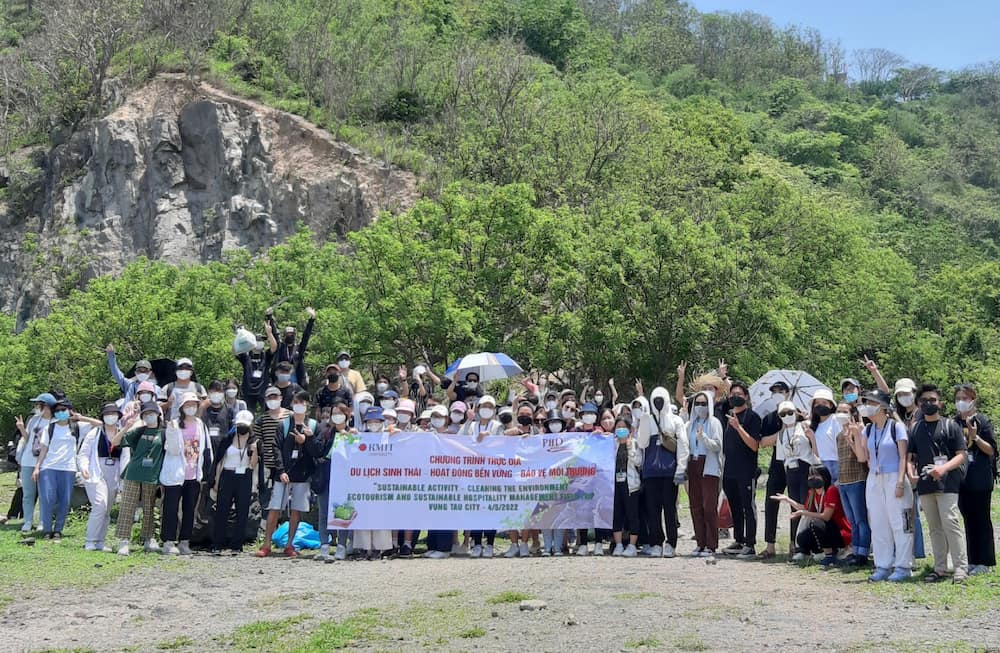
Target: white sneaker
column 598, row 549
column 582, row 550
column 459, row 549
column 668, row 551
column 524, row 550
column 798, row 557
column 170, row 549
column 513, row 551
column 152, row 546
column 819, row 557
column 436, row 555
column 123, row 548
column 90, row 546
column 341, row 552
column 324, row 553
column 557, row 552
column 184, row 546
column 487, row 551
column 619, row 550
column 696, row 553
column 477, row 552
column 706, row 553
column 630, row 551
column 656, row 552
column 545, row 553
column 646, row 550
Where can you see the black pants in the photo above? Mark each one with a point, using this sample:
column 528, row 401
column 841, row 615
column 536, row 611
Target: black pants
column 232, row 487
column 975, row 508
column 600, row 535
column 740, row 492
column 626, row 515
column 798, row 487
column 818, row 536
column 776, row 483
column 644, row 534
column 477, row 537
column 183, row 496
column 661, row 510
column 16, row 509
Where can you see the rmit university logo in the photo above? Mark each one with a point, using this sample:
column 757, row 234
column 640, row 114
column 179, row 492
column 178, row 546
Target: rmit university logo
column 376, row 447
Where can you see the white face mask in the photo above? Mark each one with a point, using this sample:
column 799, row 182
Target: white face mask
column 110, row 420
column 190, row 411
column 150, row 419
column 141, row 376
column 867, row 411
column 382, row 387
column 549, row 405
column 388, row 403
column 589, row 418
column 215, row 398
column 344, row 364
column 486, row 413
column 457, row 417
column 598, row 399
column 437, row 422
column 964, row 405
column 37, row 411
column 789, row 420
column 364, row 406
column 778, row 397
column 636, row 412
column 843, row 418
column 273, row 403
column 339, row 418
column 404, row 419
column 374, row 427
column 232, row 392
column 701, row 412
column 905, row 400
column 568, row 414
column 555, row 427
column 299, row 409
column 183, row 375
column 145, row 397
column 284, row 378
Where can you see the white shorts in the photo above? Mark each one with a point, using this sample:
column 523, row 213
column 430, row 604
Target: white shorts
column 294, row 496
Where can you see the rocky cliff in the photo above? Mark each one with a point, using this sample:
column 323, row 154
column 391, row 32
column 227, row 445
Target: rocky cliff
column 180, row 174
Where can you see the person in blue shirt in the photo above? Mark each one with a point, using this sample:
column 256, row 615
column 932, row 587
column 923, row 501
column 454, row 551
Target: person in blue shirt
column 129, row 386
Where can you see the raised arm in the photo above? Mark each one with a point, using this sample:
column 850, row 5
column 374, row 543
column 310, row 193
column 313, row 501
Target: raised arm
column 116, row 372
column 872, row 368
column 679, row 390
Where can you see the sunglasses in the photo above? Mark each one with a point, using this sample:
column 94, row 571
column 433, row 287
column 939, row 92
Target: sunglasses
column 786, row 413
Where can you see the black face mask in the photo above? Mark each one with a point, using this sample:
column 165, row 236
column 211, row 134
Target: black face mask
column 815, row 482
column 506, row 418
column 242, row 430
column 658, row 403
column 930, row 409
column 737, row 401
column 289, row 338
column 823, row 411
column 333, row 378
column 524, row 420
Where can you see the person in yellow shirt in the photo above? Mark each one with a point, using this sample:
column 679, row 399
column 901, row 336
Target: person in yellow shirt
column 353, row 376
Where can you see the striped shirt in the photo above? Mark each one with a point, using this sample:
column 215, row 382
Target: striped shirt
column 265, row 431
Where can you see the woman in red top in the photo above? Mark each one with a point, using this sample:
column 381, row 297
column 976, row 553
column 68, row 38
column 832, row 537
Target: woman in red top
column 825, row 528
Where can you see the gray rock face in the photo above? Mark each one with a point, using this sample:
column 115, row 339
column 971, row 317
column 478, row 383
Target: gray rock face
column 182, row 174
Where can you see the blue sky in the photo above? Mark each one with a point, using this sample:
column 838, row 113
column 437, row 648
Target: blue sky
column 945, row 34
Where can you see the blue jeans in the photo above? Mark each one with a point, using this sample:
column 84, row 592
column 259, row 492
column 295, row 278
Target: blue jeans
column 918, row 531
column 853, row 498
column 553, row 539
column 833, row 467
column 30, row 491
column 55, row 491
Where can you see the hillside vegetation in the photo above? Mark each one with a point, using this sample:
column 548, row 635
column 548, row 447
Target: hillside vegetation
column 607, row 191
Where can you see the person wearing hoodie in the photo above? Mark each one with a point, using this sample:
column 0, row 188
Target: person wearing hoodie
column 188, row 454
column 553, row 538
column 256, row 366
column 661, row 437
column 101, row 461
column 142, row 475
column 702, row 470
column 628, row 467
column 740, row 440
column 362, row 402
column 486, row 424
column 233, row 483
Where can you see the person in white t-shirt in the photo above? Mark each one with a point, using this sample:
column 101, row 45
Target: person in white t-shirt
column 29, row 445
column 826, row 429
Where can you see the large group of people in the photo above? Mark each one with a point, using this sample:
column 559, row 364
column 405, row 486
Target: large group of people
column 856, row 470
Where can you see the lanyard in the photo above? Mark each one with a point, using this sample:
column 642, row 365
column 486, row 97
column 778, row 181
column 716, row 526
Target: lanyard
column 879, row 436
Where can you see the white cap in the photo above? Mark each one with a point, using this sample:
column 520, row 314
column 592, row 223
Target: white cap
column 243, row 418
column 184, row 361
column 439, row 411
column 488, row 399
column 905, row 385
column 786, row 405
column 425, row 415
column 823, row 393
column 389, row 412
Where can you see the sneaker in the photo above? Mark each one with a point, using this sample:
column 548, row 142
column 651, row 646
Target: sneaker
column 899, row 575
column 263, row 552
column 707, row 553
column 324, row 553
column 26, row 528
column 828, row 561
column 488, row 551
column 619, row 550
column 477, row 552
column 57, row 536
column 668, row 551
column 733, row 549
column 405, row 551
column 524, row 550
column 696, row 553
column 545, row 553
column 747, row 553
column 184, row 546
column 978, row 570
column 513, row 551
column 630, row 551
column 582, row 550
column 959, row 578
column 646, row 550
column 218, row 552
column 106, row 549
column 152, row 546
column 860, row 560
column 880, row 575
column 598, row 549
column 341, row 552
column 459, row 549
column 656, row 552
column 436, row 555
column 170, row 549
column 557, row 553
column 123, row 548
column 90, row 546
column 799, row 557
column 290, row 552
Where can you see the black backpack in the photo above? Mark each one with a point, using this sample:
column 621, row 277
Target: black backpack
column 74, row 428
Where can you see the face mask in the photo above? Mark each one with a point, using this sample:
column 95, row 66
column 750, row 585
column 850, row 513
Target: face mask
column 273, row 403
column 555, row 427
column 299, row 409
column 284, row 378
column 190, row 411
column 150, row 419
column 867, row 411
column 598, row 399
column 142, row 376
column 964, row 406
column 242, row 430
column 382, row 387
column 438, row 422
column 568, row 414
column 37, row 412
column 364, row 406
column 737, row 401
column 487, row 413
column 183, row 375
column 789, row 420
column 62, row 415
column 344, row 364
column 110, row 420
column 843, row 418
column 506, row 418
column 524, row 420
column 701, row 412
column 374, row 427
column 589, row 418
column 823, row 411
column 403, row 419
column 904, row 400
column 621, row 433
column 289, row 338
column 815, row 483
column 215, row 398
column 851, row 397
column 636, row 412
column 145, row 397
column 777, row 397
column 457, row 417
column 232, row 392
column 607, row 424
column 930, row 409
column 339, row 418
column 549, row 405
column 332, row 378
column 387, row 403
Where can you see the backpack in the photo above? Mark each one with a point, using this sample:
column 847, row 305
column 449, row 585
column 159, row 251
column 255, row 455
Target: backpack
column 74, row 428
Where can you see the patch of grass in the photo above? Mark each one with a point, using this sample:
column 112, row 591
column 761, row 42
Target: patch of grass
column 66, row 650
column 475, row 631
column 353, row 631
column 690, row 642
column 262, row 636
column 630, row 596
column 644, row 643
column 175, row 644
column 508, row 597
column 449, row 593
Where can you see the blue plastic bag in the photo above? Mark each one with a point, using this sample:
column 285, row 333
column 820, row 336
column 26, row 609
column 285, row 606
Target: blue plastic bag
column 306, row 537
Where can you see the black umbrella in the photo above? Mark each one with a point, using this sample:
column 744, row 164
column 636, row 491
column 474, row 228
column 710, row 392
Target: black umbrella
column 164, row 369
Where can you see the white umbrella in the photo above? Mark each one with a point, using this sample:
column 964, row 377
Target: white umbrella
column 489, row 366
column 802, row 386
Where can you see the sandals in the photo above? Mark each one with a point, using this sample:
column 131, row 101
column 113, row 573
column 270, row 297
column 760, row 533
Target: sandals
column 766, row 555
column 933, row 577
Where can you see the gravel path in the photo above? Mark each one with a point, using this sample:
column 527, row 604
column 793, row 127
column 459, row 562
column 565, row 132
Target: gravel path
column 610, row 604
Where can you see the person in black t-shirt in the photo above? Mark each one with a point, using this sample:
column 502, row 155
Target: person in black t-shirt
column 335, row 389
column 740, row 440
column 938, row 450
column 257, row 370
column 976, row 492
column 283, row 382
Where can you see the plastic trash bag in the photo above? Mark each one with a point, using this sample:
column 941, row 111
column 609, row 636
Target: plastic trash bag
column 244, row 341
column 306, row 537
